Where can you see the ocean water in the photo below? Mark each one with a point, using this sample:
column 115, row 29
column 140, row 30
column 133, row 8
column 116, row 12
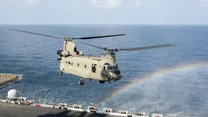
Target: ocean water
column 172, row 80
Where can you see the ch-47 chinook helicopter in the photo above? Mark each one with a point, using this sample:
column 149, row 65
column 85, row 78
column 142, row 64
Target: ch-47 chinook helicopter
column 104, row 68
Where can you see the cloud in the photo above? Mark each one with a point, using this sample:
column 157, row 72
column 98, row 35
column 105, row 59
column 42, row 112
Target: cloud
column 23, row 1
column 33, row 1
column 203, row 3
column 106, row 3
column 131, row 3
column 139, row 3
column 117, row 3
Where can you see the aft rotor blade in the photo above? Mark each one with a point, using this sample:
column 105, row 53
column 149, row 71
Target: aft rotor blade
column 60, row 37
column 93, row 46
column 145, row 47
column 101, row 36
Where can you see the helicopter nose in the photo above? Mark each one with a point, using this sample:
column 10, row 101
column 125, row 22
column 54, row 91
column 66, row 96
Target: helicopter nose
column 116, row 75
column 112, row 75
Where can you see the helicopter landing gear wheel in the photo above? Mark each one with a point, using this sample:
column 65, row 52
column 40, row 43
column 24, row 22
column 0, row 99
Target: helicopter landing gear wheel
column 81, row 82
column 102, row 82
column 60, row 73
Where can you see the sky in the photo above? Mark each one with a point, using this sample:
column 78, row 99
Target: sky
column 141, row 12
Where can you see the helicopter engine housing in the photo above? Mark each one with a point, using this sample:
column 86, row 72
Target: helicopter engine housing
column 63, row 53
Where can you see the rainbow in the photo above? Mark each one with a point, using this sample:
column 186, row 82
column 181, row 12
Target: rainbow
column 156, row 74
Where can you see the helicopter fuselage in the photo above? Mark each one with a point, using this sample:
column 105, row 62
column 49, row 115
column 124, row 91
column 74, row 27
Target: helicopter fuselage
column 90, row 68
column 102, row 68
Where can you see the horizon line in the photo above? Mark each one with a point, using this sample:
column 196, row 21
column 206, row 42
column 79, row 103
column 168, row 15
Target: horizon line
column 120, row 24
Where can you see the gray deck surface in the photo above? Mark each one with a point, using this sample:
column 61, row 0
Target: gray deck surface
column 15, row 110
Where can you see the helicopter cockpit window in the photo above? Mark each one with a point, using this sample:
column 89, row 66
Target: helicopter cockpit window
column 112, row 68
column 107, row 66
column 116, row 67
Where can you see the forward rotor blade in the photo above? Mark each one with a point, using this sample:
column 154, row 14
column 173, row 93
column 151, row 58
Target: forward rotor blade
column 63, row 37
column 145, row 47
column 60, row 37
column 102, row 36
